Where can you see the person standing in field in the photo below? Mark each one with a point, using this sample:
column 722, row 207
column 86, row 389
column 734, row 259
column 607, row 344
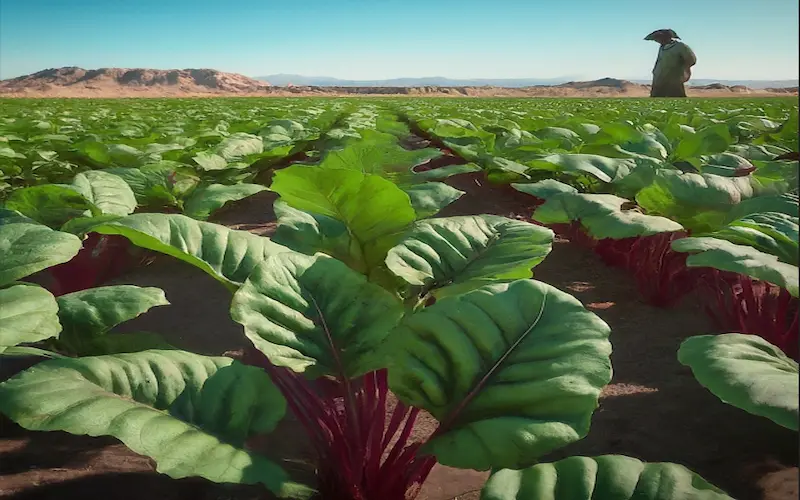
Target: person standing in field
column 673, row 66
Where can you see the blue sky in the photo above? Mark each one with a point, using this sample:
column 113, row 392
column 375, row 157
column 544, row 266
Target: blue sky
column 733, row 39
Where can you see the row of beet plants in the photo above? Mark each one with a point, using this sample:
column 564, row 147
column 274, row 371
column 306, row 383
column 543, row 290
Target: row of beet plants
column 362, row 296
column 746, row 270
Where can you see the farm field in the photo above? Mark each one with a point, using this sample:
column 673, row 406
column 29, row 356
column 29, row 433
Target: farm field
column 296, row 294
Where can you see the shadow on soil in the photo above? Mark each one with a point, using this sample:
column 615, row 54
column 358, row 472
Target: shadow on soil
column 653, row 410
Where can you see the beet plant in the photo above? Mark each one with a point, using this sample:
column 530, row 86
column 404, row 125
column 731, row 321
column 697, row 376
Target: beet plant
column 363, row 304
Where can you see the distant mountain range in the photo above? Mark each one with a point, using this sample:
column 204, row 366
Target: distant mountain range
column 147, row 82
column 283, row 80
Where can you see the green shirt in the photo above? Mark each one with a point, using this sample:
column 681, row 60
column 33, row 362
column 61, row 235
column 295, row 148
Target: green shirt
column 674, row 62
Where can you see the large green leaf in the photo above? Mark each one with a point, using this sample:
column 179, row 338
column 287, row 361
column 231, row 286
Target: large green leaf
column 226, row 254
column 747, row 372
column 431, row 197
column 89, row 314
column 374, row 210
column 464, row 253
column 699, row 201
column 210, row 161
column 771, row 232
column 607, row 477
column 785, row 203
column 512, row 371
column 742, row 259
column 27, row 314
column 378, row 153
column 238, row 145
column 544, row 189
column 27, row 248
column 311, row 233
column 603, row 215
column 156, row 184
column 315, row 315
column 50, row 204
column 206, row 199
column 708, row 140
column 108, row 192
column 445, row 172
column 189, row 413
column 604, row 169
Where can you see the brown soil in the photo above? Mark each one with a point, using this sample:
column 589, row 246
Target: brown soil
column 654, row 410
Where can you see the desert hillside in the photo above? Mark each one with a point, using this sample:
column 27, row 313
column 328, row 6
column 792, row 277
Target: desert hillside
column 123, row 82
column 140, row 82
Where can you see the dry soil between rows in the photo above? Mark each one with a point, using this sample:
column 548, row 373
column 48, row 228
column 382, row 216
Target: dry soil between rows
column 654, row 410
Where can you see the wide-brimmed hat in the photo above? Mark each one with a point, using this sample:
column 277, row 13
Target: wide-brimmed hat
column 667, row 32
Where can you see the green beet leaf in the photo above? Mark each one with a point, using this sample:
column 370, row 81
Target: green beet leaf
column 747, row 372
column 378, row 153
column 50, row 204
column 600, row 167
column 458, row 254
column 27, row 248
column 313, row 314
column 189, row 413
column 786, row 203
column 226, row 254
column 440, row 173
column 374, row 210
column 708, row 140
column 430, row 198
column 312, row 233
column 205, row 200
column 726, row 256
column 88, row 315
column 210, row 161
column 27, row 314
column 771, row 232
column 603, row 216
column 605, row 477
column 544, row 189
column 512, row 371
column 699, row 201
column 108, row 192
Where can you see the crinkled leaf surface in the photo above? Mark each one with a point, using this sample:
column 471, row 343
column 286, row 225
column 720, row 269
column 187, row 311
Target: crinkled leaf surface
column 457, row 254
column 27, row 248
column 205, row 200
column 311, row 233
column 742, row 259
column 512, row 371
column 189, row 413
column 747, row 372
column 108, row 192
column 607, row 477
column 238, row 145
column 603, row 216
column 228, row 255
column 27, row 314
column 314, row 314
